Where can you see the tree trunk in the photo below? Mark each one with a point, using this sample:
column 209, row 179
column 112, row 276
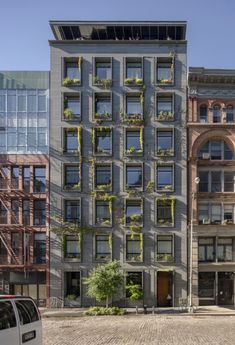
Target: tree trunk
column 107, row 301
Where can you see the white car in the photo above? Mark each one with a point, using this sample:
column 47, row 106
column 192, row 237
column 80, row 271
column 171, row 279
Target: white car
column 20, row 321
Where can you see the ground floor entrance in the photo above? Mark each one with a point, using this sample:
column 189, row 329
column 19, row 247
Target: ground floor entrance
column 216, row 288
column 164, row 289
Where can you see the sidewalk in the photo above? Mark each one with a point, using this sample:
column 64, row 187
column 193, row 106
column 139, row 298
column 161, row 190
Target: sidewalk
column 200, row 311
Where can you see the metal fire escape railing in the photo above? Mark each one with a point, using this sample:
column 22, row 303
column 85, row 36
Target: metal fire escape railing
column 4, row 198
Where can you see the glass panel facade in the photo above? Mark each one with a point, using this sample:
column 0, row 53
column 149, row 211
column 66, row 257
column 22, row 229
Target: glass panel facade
column 133, row 176
column 165, row 177
column 24, row 120
column 102, row 247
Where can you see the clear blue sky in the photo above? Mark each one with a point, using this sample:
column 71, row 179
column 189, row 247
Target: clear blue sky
column 24, row 28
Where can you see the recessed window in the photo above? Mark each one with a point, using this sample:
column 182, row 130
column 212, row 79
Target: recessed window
column 134, row 213
column 15, row 208
column 103, row 72
column 229, row 114
column 134, row 278
column 206, row 249
column 4, row 177
column 3, row 214
column 72, row 284
column 215, row 150
column 72, row 177
column 15, row 243
column 26, row 212
column 26, row 179
column 103, row 141
column 15, row 171
column 165, row 71
column 103, row 214
column 39, row 208
column 72, row 211
column 165, row 145
column 216, row 113
column 229, row 179
column 134, row 176
column 165, row 111
column 102, row 247
column 134, row 74
column 165, row 177
column 203, row 114
column 164, row 248
column 134, row 143
column 225, row 249
column 103, row 177
column 72, row 74
column 215, row 214
column 71, row 141
column 216, row 181
column 165, row 212
column 72, row 247
column 103, row 107
column 39, row 251
column 134, row 251
column 134, row 107
column 72, row 108
column 39, row 182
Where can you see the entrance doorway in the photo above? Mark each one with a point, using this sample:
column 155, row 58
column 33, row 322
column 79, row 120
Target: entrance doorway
column 225, row 288
column 164, row 289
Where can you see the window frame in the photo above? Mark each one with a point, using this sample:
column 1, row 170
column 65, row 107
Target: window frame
column 165, row 164
column 164, row 59
column 64, row 208
column 75, row 95
column 136, row 258
column 67, row 60
column 63, row 176
column 133, row 164
column 109, row 256
column 103, row 224
column 101, row 59
column 166, row 224
column 132, row 59
column 135, row 153
column 141, row 215
column 103, row 154
column 103, row 164
column 164, row 259
column 165, row 154
column 78, row 151
column 103, row 94
column 165, row 94
column 65, row 256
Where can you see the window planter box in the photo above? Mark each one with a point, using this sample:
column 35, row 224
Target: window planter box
column 165, row 116
column 106, row 83
column 103, row 116
column 168, row 152
column 164, row 257
column 134, row 151
column 75, row 187
column 133, row 81
column 71, row 82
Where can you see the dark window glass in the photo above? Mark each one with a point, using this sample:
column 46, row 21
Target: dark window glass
column 133, row 250
column 73, row 104
column 72, row 281
column 133, row 176
column 215, row 150
column 39, row 183
column 206, row 285
column 72, row 211
column 26, row 179
column 103, row 142
column 133, row 106
column 228, row 153
column 102, row 247
column 15, row 242
column 72, row 247
column 164, row 212
column 225, row 249
column 203, row 113
column 133, row 141
column 26, row 212
column 134, row 278
column 103, row 216
column 7, row 316
column 228, row 213
column 230, row 114
column 39, row 212
column 216, row 215
column 102, row 176
column 3, row 252
column 216, row 181
column 203, row 184
column 216, row 113
column 72, row 71
column 206, row 249
column 134, row 70
column 72, row 176
column 103, row 70
column 103, row 106
column 203, row 213
column 164, row 140
column 15, row 177
column 27, row 312
column 40, row 248
column 164, row 72
column 4, row 177
column 229, row 182
column 164, row 248
column 164, row 107
column 164, row 177
column 134, row 212
column 3, row 214
column 71, row 142
column 14, row 212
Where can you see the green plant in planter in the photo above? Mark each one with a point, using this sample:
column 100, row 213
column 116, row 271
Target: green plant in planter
column 168, row 187
column 136, row 218
column 132, row 150
column 164, row 257
column 135, row 292
column 105, row 115
column 166, row 81
column 106, row 222
column 104, row 82
column 68, row 81
column 133, row 81
column 104, row 186
column 68, row 113
column 71, row 297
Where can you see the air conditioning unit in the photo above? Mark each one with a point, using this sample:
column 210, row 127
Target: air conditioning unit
column 202, row 121
column 206, row 221
column 206, row 155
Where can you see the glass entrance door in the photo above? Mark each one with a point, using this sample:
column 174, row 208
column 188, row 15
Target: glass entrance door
column 225, row 288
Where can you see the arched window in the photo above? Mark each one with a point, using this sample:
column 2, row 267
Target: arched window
column 203, row 113
column 216, row 150
column 216, row 113
column 229, row 114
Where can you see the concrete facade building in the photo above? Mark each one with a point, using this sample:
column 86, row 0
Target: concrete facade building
column 24, row 176
column 211, row 144
column 118, row 157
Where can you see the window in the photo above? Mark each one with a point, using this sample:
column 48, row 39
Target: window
column 73, row 72
column 216, row 214
column 3, row 253
column 72, row 108
column 72, row 211
column 216, row 114
column 39, row 183
column 102, row 247
column 134, row 278
column 133, row 248
column 229, row 114
column 203, row 113
column 133, row 74
column 4, row 177
column 228, row 213
column 15, row 177
column 72, row 281
column 216, row 150
column 26, row 179
column 133, row 142
column 203, row 214
column 3, row 214
column 165, row 110
column 26, row 212
column 165, row 177
column 39, row 212
column 206, row 285
column 39, row 248
column 71, row 142
column 203, row 184
column 165, row 71
column 103, row 177
column 103, row 71
column 216, row 181
column 103, row 106
column 133, row 106
column 134, row 212
column 72, row 247
column 165, row 143
column 165, row 212
column 103, row 141
column 134, row 176
column 15, row 211
column 164, row 248
column 7, row 315
column 102, row 213
column 27, row 312
column 225, row 249
column 15, row 243
column 72, row 177
column 206, row 249
column 228, row 181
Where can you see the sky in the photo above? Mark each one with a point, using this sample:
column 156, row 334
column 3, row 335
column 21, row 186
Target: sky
column 25, row 30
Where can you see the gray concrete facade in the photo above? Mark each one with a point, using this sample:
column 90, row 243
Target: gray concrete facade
column 118, row 51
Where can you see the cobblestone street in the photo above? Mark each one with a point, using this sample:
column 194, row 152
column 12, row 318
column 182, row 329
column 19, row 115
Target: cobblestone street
column 142, row 329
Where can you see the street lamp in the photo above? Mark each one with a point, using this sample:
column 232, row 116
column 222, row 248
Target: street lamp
column 190, row 309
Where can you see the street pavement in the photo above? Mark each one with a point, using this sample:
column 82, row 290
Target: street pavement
column 140, row 329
